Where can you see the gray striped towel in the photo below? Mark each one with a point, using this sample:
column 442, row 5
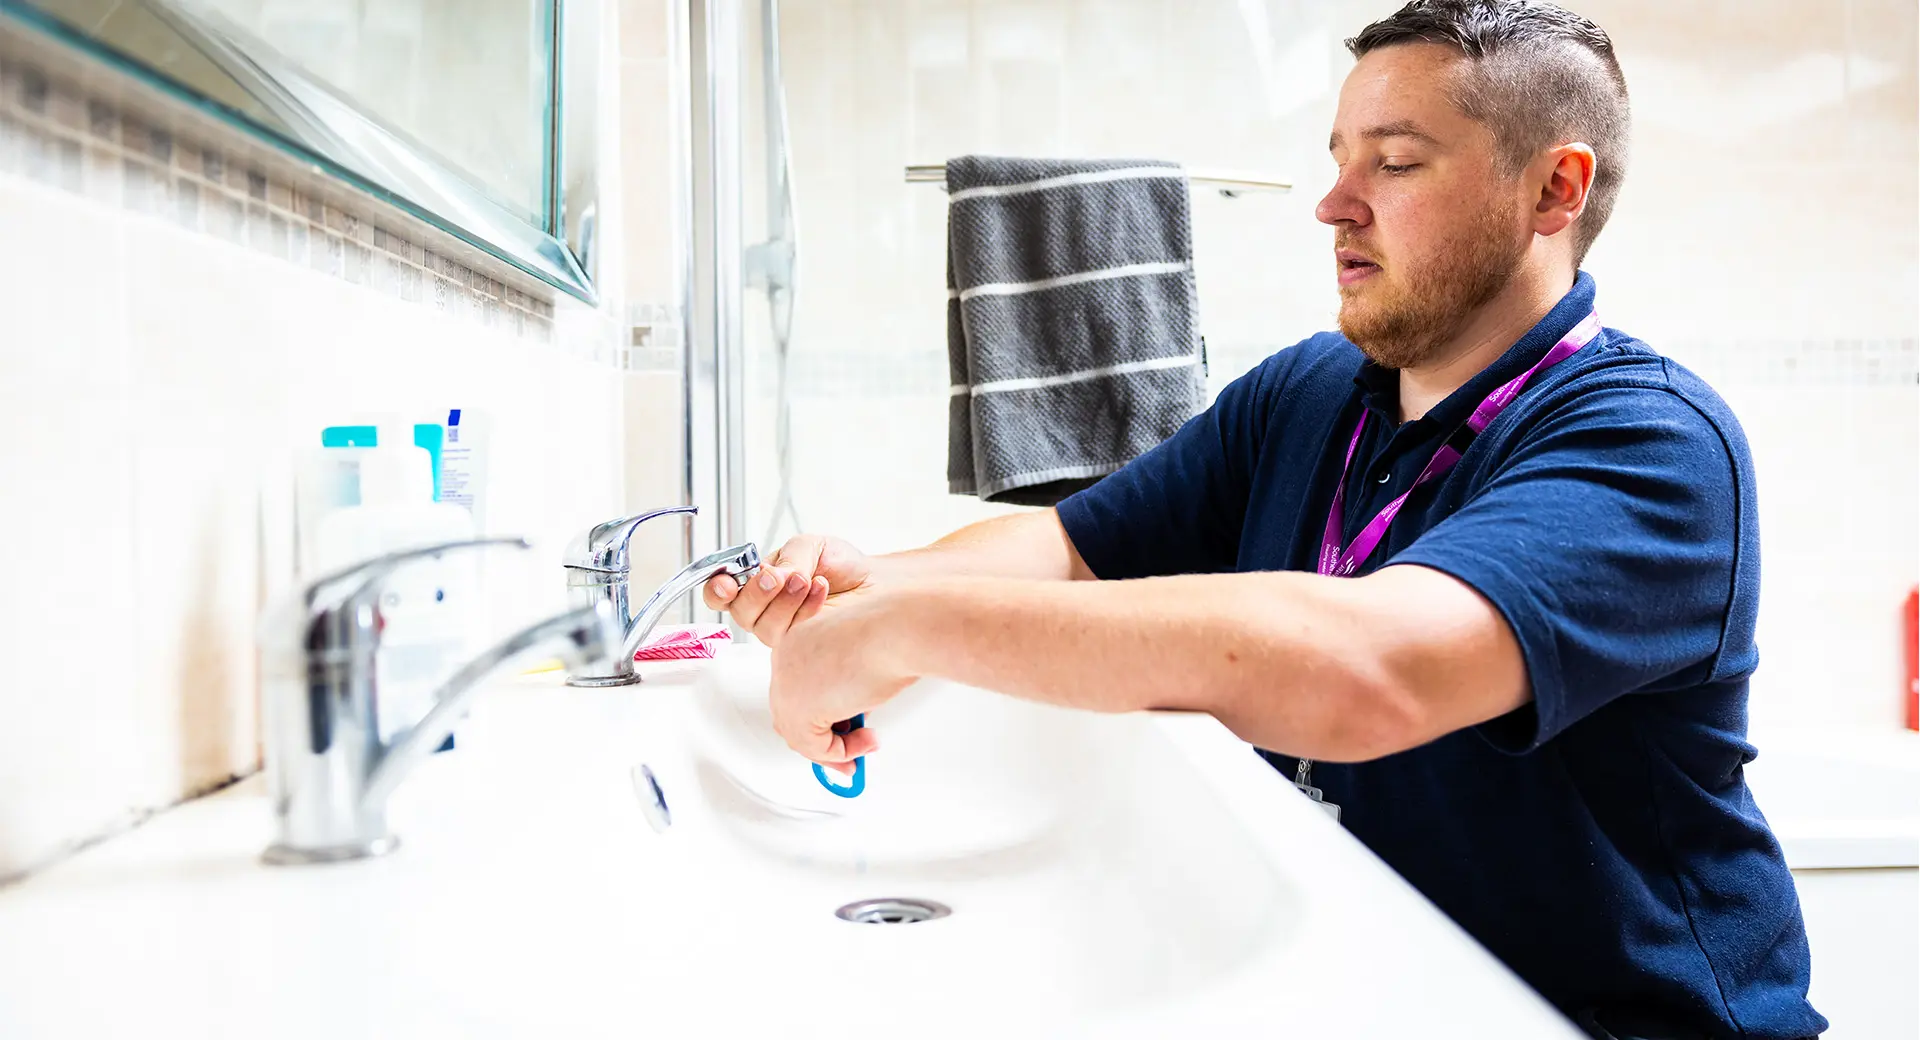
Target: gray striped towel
column 1072, row 326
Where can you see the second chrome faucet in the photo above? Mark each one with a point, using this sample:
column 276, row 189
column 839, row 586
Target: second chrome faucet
column 598, row 571
column 329, row 770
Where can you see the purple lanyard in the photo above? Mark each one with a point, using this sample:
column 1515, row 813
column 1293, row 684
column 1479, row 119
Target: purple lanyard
column 1342, row 564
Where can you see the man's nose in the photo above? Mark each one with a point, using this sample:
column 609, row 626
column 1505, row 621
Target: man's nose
column 1342, row 204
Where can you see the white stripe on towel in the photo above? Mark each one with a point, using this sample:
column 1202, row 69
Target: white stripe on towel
column 1017, row 288
column 1127, row 173
column 1036, row 382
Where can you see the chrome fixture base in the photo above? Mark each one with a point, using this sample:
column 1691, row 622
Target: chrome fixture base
column 602, row 681
column 292, row 856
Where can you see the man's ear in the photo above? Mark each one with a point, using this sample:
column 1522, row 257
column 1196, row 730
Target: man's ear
column 1565, row 176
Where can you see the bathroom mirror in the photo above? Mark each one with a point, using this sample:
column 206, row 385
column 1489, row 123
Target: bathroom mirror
column 455, row 110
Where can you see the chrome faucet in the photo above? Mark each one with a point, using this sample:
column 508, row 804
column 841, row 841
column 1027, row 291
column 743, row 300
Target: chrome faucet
column 597, row 573
column 329, row 771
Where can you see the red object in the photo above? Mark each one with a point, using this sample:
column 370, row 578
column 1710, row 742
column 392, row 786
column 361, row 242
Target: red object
column 684, row 643
column 1913, row 659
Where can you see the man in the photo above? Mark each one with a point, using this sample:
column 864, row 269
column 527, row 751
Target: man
column 1479, row 570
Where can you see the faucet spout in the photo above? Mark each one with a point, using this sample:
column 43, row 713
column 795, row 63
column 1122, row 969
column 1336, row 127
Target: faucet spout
column 736, row 562
column 581, row 637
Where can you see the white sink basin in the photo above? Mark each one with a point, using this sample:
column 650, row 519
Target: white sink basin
column 1128, row 875
column 1087, row 869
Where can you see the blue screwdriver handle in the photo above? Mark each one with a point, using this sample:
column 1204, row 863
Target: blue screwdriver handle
column 859, row 781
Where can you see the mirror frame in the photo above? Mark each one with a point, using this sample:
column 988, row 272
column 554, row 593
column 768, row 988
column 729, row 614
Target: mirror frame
column 336, row 137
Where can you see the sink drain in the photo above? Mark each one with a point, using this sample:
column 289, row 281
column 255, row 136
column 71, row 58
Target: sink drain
column 891, row 911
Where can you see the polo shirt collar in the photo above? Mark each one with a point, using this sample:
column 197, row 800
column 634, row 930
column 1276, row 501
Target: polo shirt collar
column 1380, row 386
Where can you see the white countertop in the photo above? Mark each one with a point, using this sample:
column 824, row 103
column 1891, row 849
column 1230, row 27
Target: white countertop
column 530, row 898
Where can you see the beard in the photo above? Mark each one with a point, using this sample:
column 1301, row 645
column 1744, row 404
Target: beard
column 1400, row 320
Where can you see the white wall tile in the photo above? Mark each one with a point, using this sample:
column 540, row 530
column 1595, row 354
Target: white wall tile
column 646, row 172
column 208, row 357
column 67, row 440
column 652, row 434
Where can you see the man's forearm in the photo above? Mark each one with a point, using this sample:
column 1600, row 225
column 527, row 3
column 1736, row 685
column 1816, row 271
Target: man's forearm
column 1298, row 663
column 1029, row 545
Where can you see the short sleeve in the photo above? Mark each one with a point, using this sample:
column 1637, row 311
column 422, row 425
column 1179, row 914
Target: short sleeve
column 1611, row 539
column 1179, row 508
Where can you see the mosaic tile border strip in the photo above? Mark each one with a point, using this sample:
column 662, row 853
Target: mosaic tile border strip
column 52, row 133
column 653, row 338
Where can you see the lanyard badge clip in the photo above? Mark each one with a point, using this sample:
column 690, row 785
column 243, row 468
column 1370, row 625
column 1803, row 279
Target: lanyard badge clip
column 1301, row 777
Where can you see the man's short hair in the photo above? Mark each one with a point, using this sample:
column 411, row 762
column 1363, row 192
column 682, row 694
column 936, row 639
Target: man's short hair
column 1543, row 76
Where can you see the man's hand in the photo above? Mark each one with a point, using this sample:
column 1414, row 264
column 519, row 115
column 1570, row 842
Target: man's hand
column 791, row 586
column 836, row 666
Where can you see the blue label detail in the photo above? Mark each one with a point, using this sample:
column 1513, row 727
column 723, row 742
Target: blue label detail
column 349, row 436
column 430, row 436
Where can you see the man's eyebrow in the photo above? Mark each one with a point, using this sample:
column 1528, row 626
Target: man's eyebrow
column 1398, row 128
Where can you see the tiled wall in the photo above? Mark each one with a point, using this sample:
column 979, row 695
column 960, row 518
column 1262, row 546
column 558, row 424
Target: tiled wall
column 177, row 313
column 1766, row 237
column 52, row 134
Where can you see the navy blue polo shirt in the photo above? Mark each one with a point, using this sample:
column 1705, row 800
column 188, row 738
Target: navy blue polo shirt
column 1600, row 840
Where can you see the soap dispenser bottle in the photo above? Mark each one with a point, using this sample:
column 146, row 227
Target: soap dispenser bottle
column 428, row 606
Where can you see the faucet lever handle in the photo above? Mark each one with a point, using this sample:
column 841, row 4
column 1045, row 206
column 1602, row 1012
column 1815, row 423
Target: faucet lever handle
column 735, row 562
column 604, row 546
